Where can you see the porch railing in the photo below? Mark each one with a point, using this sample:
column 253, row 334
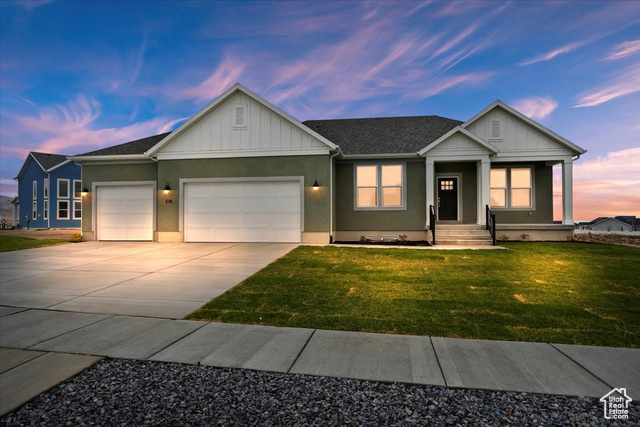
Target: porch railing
column 432, row 223
column 491, row 224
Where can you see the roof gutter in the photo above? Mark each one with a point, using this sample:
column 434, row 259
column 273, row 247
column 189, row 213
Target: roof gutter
column 109, row 157
column 379, row 156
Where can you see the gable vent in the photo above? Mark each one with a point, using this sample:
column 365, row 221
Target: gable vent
column 495, row 129
column 239, row 117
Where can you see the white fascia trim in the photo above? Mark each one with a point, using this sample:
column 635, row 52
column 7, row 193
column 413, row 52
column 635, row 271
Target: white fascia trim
column 113, row 157
column 378, row 156
column 219, row 100
column 466, row 133
column 532, row 156
column 549, row 132
column 58, row 166
column 242, row 153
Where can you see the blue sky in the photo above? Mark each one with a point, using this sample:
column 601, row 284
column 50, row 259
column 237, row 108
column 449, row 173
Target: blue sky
column 76, row 76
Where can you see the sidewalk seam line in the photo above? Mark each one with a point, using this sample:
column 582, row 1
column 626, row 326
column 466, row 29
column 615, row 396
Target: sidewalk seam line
column 584, row 368
column 68, row 332
column 26, row 361
column 179, row 339
column 301, row 350
column 444, row 378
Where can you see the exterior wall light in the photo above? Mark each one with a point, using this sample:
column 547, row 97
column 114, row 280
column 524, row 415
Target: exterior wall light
column 85, row 191
column 166, row 189
column 315, row 185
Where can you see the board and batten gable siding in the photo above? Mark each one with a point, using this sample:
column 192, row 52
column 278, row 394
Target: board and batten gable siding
column 515, row 135
column 214, row 135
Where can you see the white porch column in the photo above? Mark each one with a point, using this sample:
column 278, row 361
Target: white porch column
column 485, row 190
column 567, row 192
column 430, row 176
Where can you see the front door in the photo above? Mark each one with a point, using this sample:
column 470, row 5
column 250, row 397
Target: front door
column 448, row 199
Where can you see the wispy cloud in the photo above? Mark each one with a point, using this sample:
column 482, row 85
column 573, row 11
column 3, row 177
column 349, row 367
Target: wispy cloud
column 228, row 72
column 605, row 186
column 32, row 4
column 624, row 49
column 537, row 107
column 626, row 83
column 552, row 54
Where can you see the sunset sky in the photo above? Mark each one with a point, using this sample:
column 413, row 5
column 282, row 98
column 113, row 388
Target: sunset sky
column 80, row 76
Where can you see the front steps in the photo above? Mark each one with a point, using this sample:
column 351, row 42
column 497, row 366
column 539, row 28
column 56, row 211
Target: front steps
column 462, row 235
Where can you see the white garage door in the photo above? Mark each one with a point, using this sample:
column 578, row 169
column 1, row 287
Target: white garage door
column 242, row 211
column 125, row 212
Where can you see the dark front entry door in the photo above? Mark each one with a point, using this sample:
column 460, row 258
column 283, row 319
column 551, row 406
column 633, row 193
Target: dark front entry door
column 448, row 199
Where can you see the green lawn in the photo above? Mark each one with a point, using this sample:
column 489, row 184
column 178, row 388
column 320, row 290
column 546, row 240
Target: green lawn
column 573, row 293
column 14, row 243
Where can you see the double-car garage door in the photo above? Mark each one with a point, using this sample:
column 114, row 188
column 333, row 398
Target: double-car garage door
column 236, row 211
column 242, row 211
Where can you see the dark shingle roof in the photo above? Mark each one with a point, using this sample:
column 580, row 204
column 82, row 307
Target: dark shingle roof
column 139, row 146
column 385, row 135
column 48, row 161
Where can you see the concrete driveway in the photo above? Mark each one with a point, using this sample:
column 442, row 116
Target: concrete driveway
column 167, row 280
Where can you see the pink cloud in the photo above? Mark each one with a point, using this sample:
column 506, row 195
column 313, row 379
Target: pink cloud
column 537, row 107
column 626, row 83
column 624, row 49
column 224, row 76
column 605, row 186
column 550, row 55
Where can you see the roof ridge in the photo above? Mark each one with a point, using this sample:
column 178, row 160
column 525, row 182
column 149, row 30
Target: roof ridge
column 380, row 118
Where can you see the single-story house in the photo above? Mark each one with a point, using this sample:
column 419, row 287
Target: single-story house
column 608, row 224
column 242, row 170
column 49, row 191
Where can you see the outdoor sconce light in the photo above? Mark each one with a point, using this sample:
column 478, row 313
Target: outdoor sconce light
column 85, row 191
column 167, row 189
column 315, row 185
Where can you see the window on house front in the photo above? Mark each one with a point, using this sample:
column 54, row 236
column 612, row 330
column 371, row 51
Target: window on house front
column 63, row 209
column 379, row 186
column 77, row 189
column 45, row 210
column 63, row 188
column 34, row 210
column 77, row 209
column 35, row 190
column 46, row 188
column 511, row 187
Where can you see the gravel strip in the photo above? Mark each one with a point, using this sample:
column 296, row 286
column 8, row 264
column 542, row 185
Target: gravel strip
column 126, row 392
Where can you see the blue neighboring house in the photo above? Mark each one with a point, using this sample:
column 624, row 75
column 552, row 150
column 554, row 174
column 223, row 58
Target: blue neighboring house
column 50, row 192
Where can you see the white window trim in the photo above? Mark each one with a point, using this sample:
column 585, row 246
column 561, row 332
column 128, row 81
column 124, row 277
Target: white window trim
column 46, row 188
column 402, row 207
column 74, row 189
column 245, row 108
column 35, row 190
column 58, row 208
column 505, row 188
column 45, row 210
column 34, row 210
column 68, row 196
column 508, row 207
column 74, row 208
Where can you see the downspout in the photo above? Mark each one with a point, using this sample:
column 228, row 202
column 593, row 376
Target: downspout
column 331, row 193
column 49, row 202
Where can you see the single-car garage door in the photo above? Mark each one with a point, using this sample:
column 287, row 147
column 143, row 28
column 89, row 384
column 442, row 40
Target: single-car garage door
column 125, row 212
column 262, row 211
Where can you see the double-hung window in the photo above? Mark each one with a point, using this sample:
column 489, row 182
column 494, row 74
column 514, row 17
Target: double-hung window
column 77, row 199
column 380, row 187
column 512, row 187
column 45, row 204
column 63, row 193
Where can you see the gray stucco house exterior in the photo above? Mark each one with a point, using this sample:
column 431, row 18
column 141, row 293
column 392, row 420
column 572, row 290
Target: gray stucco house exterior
column 243, row 170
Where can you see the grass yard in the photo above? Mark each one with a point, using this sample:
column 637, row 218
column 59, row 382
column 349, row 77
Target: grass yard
column 573, row 293
column 14, row 243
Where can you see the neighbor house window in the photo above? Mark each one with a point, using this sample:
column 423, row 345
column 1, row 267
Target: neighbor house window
column 77, row 189
column 46, row 188
column 63, row 188
column 77, row 209
column 512, row 187
column 35, row 190
column 380, row 186
column 34, row 209
column 63, row 209
column 45, row 210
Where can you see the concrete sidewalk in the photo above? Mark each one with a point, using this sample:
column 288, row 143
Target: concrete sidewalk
column 495, row 365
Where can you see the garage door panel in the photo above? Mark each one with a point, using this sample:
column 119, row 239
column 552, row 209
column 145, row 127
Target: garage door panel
column 125, row 212
column 200, row 220
column 262, row 211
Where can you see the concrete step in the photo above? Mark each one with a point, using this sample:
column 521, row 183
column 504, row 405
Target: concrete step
column 462, row 232
column 459, row 227
column 462, row 242
column 461, row 237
